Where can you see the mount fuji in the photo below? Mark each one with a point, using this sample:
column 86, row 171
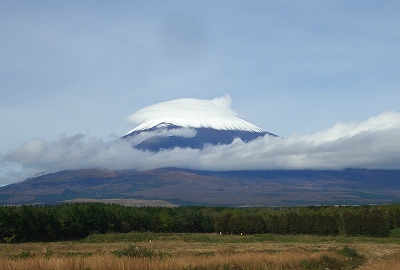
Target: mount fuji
column 195, row 124
column 190, row 123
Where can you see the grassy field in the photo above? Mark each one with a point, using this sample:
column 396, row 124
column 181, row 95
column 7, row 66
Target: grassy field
column 204, row 251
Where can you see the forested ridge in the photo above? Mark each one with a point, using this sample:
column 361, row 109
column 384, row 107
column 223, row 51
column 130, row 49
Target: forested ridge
column 76, row 221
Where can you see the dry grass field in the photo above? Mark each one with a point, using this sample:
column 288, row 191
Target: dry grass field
column 210, row 251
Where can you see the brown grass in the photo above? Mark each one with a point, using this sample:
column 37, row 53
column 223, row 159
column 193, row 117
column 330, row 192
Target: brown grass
column 197, row 255
column 284, row 260
column 391, row 261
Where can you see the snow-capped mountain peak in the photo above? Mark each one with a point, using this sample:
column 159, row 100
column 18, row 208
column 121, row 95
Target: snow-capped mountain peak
column 189, row 123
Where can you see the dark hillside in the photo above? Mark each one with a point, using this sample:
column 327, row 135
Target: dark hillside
column 189, row 187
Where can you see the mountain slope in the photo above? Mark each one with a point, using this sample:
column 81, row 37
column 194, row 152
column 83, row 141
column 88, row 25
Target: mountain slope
column 187, row 187
column 168, row 136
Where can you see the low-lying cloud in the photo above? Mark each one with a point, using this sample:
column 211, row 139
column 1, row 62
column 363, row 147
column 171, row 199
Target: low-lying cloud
column 371, row 144
column 178, row 132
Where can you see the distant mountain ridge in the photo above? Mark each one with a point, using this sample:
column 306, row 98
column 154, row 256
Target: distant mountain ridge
column 232, row 188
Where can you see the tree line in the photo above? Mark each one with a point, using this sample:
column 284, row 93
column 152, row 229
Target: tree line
column 76, row 221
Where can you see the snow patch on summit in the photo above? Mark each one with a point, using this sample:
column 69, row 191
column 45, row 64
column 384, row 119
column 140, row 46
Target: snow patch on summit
column 192, row 113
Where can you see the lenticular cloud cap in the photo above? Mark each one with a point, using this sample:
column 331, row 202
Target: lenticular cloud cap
column 194, row 113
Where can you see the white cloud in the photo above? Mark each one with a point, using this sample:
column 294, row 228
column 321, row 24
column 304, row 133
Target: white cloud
column 179, row 132
column 185, row 107
column 385, row 121
column 369, row 144
column 190, row 112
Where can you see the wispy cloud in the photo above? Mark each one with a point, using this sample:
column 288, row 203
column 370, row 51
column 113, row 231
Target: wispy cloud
column 178, row 132
column 372, row 144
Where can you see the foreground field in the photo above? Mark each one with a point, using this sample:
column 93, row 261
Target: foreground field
column 204, row 251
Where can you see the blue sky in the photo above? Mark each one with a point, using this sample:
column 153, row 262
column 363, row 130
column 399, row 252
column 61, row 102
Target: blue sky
column 290, row 67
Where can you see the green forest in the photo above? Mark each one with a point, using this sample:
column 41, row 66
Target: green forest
column 28, row 223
